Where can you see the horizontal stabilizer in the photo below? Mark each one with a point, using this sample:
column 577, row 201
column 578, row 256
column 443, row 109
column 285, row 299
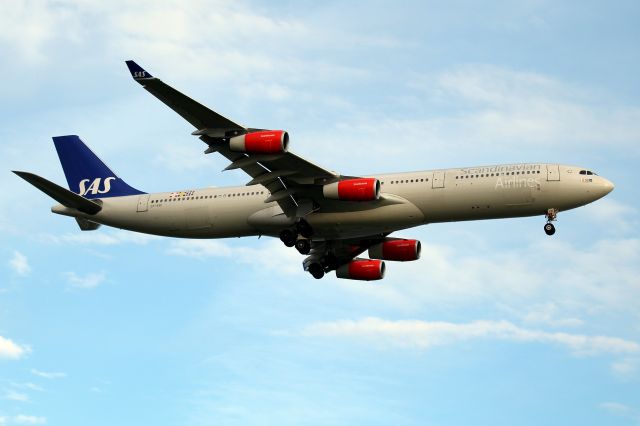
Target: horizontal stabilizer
column 60, row 194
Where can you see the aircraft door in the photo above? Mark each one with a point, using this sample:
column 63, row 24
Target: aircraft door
column 143, row 203
column 553, row 172
column 438, row 179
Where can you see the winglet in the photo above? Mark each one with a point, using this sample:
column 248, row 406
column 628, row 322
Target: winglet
column 137, row 72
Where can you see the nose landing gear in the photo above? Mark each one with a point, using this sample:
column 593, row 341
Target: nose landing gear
column 549, row 229
column 551, row 215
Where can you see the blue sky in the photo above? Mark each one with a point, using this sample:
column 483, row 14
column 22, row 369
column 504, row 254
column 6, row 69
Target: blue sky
column 497, row 324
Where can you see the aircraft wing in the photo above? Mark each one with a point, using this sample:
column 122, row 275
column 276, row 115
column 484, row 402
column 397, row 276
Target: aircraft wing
column 288, row 177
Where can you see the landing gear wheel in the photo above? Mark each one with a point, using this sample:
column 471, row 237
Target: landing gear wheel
column 304, row 228
column 316, row 270
column 288, row 237
column 549, row 229
column 303, row 246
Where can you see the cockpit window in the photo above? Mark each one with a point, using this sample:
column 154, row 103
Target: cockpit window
column 587, row 172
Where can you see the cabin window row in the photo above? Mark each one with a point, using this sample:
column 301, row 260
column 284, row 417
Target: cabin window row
column 204, row 197
column 393, row 182
column 528, row 172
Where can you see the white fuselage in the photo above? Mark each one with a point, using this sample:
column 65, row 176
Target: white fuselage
column 407, row 200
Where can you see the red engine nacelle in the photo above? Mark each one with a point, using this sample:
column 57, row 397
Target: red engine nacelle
column 364, row 189
column 264, row 142
column 362, row 269
column 396, row 249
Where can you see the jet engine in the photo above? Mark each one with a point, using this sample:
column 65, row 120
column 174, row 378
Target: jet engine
column 396, row 249
column 362, row 269
column 263, row 142
column 363, row 189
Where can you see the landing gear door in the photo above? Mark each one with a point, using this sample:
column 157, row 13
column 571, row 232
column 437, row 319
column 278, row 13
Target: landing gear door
column 438, row 179
column 143, row 203
column 553, row 172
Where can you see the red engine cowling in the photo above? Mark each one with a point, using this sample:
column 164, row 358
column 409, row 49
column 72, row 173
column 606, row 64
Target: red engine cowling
column 363, row 189
column 396, row 249
column 264, row 142
column 362, row 269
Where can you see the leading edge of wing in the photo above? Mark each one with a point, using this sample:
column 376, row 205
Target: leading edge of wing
column 207, row 122
column 194, row 112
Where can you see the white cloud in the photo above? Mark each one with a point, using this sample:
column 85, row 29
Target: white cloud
column 101, row 238
column 20, row 264
column 619, row 409
column 613, row 214
column 30, row 386
column 12, row 395
column 477, row 109
column 583, row 280
column 548, row 314
column 424, row 335
column 23, row 419
column 616, row 408
column 12, row 350
column 89, row 280
column 625, row 368
column 48, row 374
column 29, row 27
column 281, row 259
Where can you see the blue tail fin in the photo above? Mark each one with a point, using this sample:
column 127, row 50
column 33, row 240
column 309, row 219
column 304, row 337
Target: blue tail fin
column 86, row 174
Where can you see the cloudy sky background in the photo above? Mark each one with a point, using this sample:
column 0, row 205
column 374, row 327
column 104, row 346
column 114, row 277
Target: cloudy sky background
column 497, row 324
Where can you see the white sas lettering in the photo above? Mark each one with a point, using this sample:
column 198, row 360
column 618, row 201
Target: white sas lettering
column 94, row 188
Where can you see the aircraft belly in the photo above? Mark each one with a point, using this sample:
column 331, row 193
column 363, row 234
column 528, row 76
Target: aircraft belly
column 206, row 220
column 365, row 222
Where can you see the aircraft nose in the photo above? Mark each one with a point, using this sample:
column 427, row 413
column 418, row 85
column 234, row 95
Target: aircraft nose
column 607, row 186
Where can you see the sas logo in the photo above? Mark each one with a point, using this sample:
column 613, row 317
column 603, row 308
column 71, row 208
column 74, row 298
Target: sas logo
column 94, row 188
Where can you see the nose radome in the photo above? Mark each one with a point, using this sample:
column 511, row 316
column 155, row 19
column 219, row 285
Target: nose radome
column 607, row 185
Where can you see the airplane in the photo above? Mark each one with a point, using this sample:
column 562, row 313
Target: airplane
column 329, row 217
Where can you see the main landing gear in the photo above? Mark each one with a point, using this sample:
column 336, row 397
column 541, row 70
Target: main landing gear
column 549, row 229
column 316, row 270
column 303, row 246
column 320, row 266
column 298, row 237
